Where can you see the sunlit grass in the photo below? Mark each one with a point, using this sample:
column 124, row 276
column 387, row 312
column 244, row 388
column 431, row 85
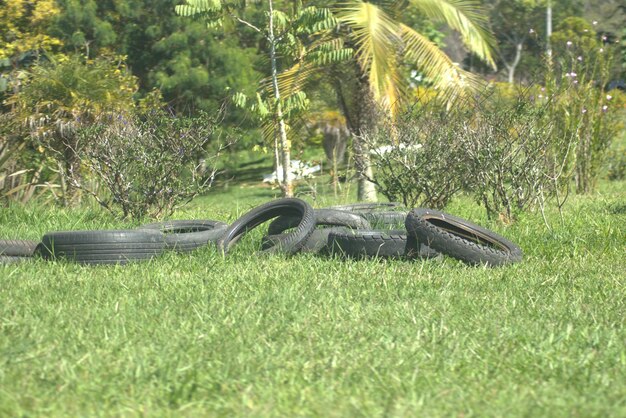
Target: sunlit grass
column 247, row 335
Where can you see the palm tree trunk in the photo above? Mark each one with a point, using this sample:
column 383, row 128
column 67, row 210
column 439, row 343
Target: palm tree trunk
column 361, row 119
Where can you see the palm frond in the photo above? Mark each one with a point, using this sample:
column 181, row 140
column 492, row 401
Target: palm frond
column 448, row 77
column 468, row 18
column 198, row 8
column 376, row 37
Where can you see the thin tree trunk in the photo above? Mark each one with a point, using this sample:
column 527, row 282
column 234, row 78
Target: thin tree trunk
column 286, row 184
column 549, row 29
column 511, row 67
column 366, row 190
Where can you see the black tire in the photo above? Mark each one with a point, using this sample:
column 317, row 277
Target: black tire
column 102, row 247
column 17, row 247
column 289, row 243
column 386, row 219
column 366, row 207
column 186, row 236
column 11, row 259
column 323, row 217
column 377, row 243
column 461, row 239
column 316, row 243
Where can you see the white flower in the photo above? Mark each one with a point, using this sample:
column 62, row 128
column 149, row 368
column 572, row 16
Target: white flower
column 601, row 49
column 609, row 97
column 531, row 30
column 604, row 108
column 595, row 22
column 569, row 43
column 579, row 58
column 584, row 110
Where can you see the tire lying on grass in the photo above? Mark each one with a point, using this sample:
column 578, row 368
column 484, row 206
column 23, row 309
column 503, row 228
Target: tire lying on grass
column 386, row 219
column 323, row 217
column 183, row 236
column 378, row 243
column 461, row 239
column 316, row 243
column 17, row 247
column 288, row 243
column 102, row 247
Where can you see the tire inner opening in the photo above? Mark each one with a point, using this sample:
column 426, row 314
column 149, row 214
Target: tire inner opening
column 188, row 230
column 465, row 233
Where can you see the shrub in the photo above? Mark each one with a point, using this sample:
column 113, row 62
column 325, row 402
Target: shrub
column 148, row 165
column 65, row 94
column 508, row 155
column 496, row 147
column 585, row 116
column 418, row 159
column 24, row 172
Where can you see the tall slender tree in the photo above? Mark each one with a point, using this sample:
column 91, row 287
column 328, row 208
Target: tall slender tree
column 281, row 32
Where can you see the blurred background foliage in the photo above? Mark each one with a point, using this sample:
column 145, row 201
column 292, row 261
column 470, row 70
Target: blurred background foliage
column 64, row 61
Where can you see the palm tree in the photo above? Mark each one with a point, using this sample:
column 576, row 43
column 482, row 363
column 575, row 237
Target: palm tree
column 372, row 80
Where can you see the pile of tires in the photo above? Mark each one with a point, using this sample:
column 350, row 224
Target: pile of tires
column 384, row 230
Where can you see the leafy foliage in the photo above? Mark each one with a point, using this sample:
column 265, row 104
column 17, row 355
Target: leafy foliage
column 66, row 94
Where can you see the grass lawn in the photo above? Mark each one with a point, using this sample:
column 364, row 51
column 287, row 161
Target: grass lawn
column 248, row 335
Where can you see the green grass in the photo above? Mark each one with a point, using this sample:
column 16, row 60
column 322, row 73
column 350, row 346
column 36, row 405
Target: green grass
column 248, row 335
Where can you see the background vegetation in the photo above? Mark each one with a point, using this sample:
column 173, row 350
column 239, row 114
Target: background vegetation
column 482, row 113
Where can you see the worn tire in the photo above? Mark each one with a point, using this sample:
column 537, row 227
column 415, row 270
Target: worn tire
column 323, row 217
column 103, row 247
column 366, row 207
column 377, row 243
column 288, row 243
column 386, row 219
column 17, row 247
column 186, row 236
column 461, row 239
column 316, row 243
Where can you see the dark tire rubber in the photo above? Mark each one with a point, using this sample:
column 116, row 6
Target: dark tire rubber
column 11, row 259
column 17, row 247
column 186, row 236
column 386, row 219
column 288, row 243
column 316, row 243
column 378, row 243
column 324, row 217
column 102, row 247
column 461, row 239
column 366, row 207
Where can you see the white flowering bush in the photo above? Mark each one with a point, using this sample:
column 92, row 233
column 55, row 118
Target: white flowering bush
column 586, row 117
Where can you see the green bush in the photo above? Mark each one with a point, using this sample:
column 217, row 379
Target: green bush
column 146, row 165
